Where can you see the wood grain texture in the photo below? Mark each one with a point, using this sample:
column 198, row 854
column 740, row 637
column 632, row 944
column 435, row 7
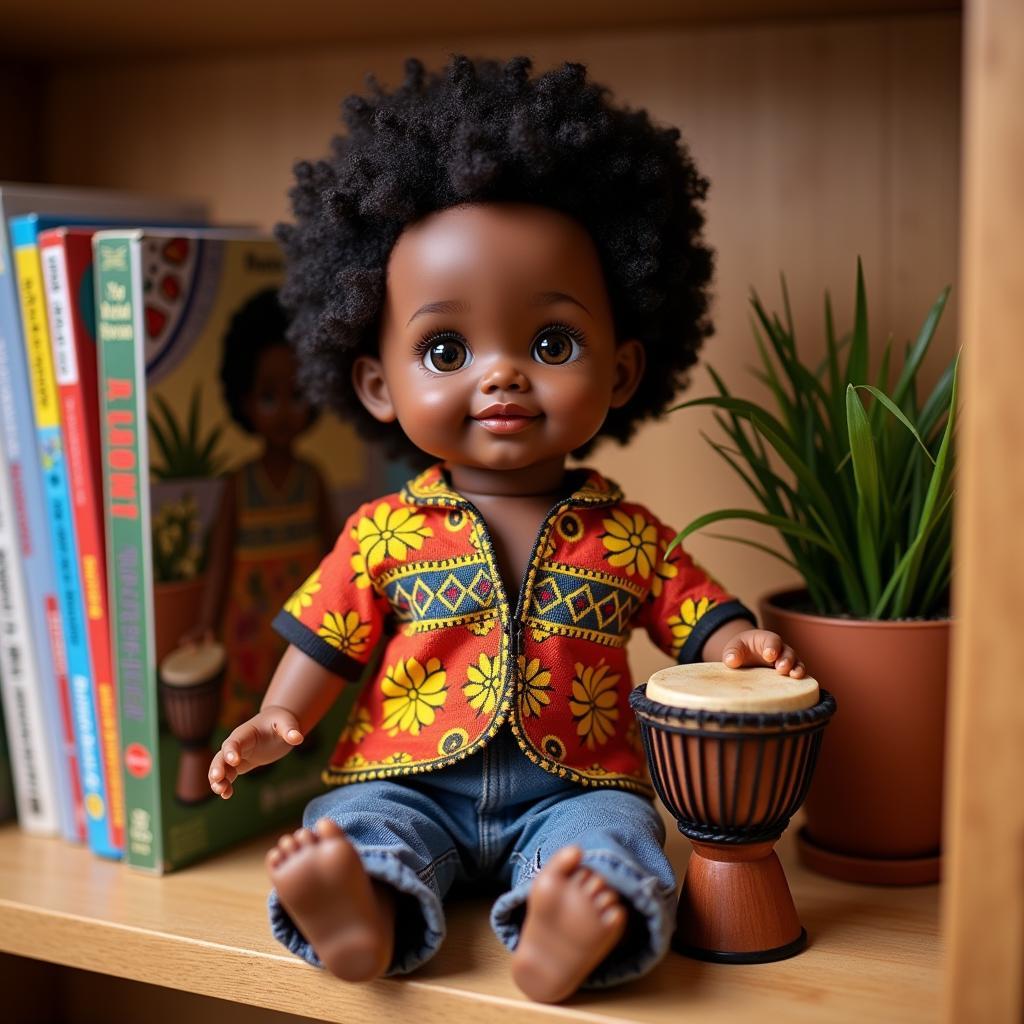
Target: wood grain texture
column 984, row 904
column 874, row 953
column 51, row 27
column 822, row 140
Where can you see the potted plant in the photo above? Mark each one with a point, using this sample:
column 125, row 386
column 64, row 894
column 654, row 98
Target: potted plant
column 858, row 480
column 184, row 493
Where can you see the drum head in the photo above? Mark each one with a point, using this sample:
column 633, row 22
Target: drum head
column 192, row 664
column 713, row 686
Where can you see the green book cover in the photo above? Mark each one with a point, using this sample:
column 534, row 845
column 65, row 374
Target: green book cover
column 222, row 492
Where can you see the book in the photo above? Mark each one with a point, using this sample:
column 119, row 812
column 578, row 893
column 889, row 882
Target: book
column 35, row 688
column 212, row 519
column 33, row 761
column 66, row 256
column 85, row 687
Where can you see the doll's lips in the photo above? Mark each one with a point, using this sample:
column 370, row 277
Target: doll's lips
column 505, row 419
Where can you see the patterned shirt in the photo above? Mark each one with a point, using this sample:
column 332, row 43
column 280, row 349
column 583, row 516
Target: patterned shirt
column 414, row 576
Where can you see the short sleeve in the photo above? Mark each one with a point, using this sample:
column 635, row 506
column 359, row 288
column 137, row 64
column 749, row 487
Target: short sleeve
column 337, row 616
column 685, row 605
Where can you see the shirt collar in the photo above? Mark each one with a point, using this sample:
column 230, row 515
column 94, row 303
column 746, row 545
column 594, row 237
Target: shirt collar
column 433, row 487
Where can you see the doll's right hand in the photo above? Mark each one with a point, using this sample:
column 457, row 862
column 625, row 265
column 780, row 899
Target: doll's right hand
column 265, row 738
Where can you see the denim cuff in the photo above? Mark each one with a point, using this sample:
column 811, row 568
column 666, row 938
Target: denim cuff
column 419, row 918
column 652, row 918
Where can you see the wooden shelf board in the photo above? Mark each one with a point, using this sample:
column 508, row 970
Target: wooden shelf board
column 53, row 28
column 874, row 952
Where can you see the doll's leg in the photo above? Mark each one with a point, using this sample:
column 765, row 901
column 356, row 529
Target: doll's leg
column 358, row 890
column 574, row 860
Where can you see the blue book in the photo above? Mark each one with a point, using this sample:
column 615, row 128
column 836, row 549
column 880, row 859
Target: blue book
column 43, row 745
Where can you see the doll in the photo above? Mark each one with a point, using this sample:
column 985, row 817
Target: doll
column 274, row 521
column 492, row 271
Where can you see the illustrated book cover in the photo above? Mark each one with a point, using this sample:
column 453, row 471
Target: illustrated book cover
column 223, row 490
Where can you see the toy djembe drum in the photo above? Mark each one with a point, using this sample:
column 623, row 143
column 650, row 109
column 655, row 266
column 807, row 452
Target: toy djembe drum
column 731, row 753
column 191, row 681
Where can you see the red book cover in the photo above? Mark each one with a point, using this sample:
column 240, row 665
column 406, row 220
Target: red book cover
column 66, row 255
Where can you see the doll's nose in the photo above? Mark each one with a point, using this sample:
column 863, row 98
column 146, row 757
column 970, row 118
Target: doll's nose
column 503, row 375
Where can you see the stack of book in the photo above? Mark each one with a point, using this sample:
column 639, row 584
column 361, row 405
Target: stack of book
column 164, row 488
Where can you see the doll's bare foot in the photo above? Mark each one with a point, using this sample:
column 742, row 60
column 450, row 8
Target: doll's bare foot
column 573, row 920
column 346, row 916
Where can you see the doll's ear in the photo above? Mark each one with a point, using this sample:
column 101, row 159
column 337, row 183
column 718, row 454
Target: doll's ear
column 630, row 360
column 372, row 389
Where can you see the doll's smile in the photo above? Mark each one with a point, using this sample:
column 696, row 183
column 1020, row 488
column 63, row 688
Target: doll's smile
column 505, row 419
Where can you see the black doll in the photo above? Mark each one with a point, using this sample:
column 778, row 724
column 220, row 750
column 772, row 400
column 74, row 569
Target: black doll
column 492, row 271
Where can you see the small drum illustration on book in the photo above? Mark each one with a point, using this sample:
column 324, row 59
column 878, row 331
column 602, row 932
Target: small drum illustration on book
column 731, row 754
column 191, row 681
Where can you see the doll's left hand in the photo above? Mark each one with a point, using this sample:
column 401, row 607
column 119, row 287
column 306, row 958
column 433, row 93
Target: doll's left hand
column 762, row 647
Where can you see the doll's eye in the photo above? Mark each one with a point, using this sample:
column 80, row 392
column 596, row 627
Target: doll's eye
column 555, row 346
column 445, row 355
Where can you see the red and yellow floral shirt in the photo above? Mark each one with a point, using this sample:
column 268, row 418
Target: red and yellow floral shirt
column 414, row 576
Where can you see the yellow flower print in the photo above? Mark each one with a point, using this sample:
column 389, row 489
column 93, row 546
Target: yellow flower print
column 536, row 686
column 664, row 570
column 345, row 631
column 360, row 577
column 483, row 684
column 354, row 762
column 631, row 542
column 390, row 534
column 594, row 703
column 682, row 624
column 303, row 597
column 358, row 728
column 412, row 692
column 398, row 757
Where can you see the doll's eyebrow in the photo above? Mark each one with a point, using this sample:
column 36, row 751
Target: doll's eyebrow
column 445, row 306
column 550, row 298
column 457, row 306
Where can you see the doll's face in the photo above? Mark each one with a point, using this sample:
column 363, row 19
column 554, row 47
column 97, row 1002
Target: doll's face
column 275, row 406
column 497, row 348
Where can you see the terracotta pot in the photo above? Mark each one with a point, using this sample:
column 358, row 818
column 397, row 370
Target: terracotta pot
column 176, row 609
column 874, row 810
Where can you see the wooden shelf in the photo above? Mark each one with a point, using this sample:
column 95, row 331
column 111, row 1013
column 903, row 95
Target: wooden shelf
column 874, row 952
column 48, row 29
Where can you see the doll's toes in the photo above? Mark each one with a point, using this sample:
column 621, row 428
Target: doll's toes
column 305, row 837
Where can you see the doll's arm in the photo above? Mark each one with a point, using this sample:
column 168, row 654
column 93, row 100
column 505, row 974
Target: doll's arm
column 299, row 695
column 692, row 618
column 686, row 608
column 332, row 624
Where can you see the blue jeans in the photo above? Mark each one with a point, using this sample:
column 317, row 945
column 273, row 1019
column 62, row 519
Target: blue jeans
column 498, row 816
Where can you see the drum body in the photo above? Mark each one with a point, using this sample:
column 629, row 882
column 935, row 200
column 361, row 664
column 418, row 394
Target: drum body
column 191, row 682
column 733, row 780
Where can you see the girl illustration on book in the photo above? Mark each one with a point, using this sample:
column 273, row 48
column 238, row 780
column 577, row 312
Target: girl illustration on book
column 491, row 272
column 274, row 521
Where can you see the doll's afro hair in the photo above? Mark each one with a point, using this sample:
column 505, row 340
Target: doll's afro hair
column 260, row 324
column 480, row 131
